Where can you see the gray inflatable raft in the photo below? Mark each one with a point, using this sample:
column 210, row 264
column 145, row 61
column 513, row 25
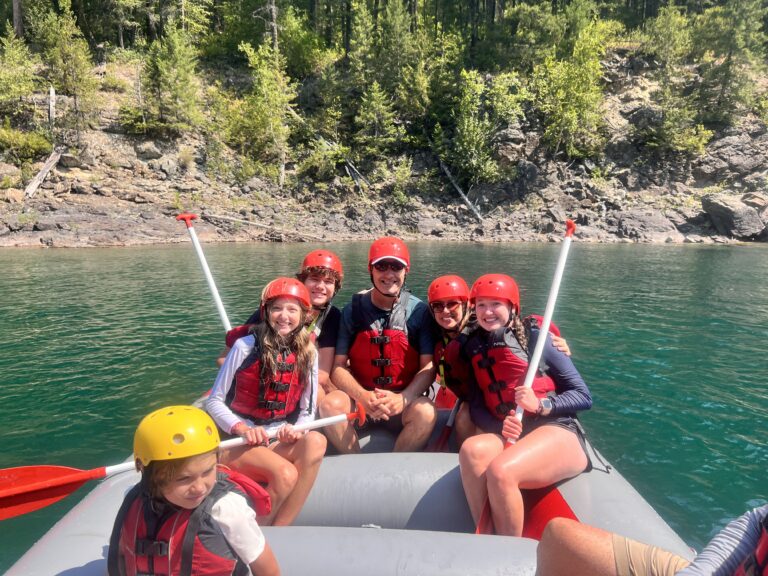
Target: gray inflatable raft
column 378, row 513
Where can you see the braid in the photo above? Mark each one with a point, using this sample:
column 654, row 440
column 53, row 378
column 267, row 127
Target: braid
column 521, row 332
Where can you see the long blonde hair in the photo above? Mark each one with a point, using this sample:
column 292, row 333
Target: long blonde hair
column 272, row 344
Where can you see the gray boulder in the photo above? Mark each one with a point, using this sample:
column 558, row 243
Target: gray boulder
column 731, row 216
column 647, row 225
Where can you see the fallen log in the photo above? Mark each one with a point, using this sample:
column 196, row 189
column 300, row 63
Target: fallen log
column 260, row 225
column 34, row 184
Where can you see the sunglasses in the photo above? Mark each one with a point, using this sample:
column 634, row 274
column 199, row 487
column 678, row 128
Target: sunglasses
column 438, row 307
column 385, row 265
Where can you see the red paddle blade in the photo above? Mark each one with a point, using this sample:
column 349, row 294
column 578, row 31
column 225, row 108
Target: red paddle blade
column 28, row 488
column 485, row 524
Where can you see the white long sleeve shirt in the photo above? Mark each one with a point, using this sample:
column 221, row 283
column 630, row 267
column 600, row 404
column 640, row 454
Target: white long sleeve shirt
column 225, row 418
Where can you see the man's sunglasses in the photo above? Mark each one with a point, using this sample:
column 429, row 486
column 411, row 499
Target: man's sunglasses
column 438, row 307
column 385, row 265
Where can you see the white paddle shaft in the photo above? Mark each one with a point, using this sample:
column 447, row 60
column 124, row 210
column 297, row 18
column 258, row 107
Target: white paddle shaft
column 537, row 352
column 209, row 278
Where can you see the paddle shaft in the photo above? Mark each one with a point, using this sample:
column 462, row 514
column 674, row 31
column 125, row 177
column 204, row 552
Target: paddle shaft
column 533, row 364
column 187, row 218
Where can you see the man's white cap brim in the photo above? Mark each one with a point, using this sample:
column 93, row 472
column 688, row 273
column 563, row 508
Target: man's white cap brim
column 377, row 260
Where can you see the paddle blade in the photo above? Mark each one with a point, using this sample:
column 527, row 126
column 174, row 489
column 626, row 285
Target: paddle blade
column 29, row 488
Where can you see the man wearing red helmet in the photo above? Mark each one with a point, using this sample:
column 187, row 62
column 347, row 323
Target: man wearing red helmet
column 384, row 356
column 322, row 274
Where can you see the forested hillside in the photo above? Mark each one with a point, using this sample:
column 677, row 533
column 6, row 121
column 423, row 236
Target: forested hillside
column 401, row 102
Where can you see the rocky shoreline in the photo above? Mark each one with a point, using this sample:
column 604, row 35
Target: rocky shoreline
column 118, row 190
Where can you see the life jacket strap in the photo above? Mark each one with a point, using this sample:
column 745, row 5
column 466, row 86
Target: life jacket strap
column 280, row 386
column 379, row 362
column 381, row 339
column 383, row 380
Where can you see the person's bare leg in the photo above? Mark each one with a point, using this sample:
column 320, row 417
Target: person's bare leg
column 474, row 457
column 263, row 465
column 463, row 426
column 568, row 548
column 306, row 455
column 342, row 436
column 529, row 463
column 419, row 420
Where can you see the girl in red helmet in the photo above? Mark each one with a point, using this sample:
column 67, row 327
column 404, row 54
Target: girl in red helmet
column 322, row 274
column 269, row 382
column 448, row 298
column 548, row 444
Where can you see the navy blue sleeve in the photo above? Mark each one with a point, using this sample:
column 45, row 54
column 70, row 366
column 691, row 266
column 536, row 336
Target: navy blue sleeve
column 420, row 322
column 572, row 392
column 330, row 331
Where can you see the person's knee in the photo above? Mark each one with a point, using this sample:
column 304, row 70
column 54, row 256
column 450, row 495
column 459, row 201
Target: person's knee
column 556, row 530
column 474, row 449
column 501, row 475
column 422, row 411
column 285, row 478
column 315, row 445
column 336, row 402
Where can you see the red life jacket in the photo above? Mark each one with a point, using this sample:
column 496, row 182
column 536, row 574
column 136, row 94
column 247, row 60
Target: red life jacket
column 756, row 564
column 453, row 370
column 264, row 402
column 381, row 356
column 500, row 365
column 179, row 542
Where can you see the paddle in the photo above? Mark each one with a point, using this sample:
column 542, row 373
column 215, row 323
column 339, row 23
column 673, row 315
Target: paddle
column 485, row 524
column 187, row 218
column 28, row 488
column 442, row 440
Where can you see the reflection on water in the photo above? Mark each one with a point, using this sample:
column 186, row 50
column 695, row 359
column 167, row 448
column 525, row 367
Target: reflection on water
column 669, row 339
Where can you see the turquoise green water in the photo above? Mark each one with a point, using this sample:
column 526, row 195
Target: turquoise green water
column 670, row 339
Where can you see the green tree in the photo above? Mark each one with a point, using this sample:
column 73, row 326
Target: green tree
column 361, row 47
column 670, row 41
column 469, row 151
column 569, row 96
column 171, row 84
column 17, row 68
column 730, row 40
column 375, row 122
column 262, row 125
column 68, row 59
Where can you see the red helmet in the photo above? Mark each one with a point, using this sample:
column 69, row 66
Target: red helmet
column 448, row 287
column 389, row 248
column 496, row 286
column 323, row 259
column 285, row 288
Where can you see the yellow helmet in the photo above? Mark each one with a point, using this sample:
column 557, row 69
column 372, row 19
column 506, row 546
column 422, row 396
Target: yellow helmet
column 174, row 432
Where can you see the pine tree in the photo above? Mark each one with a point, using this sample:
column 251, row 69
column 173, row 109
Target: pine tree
column 470, row 149
column 17, row 68
column 731, row 41
column 265, row 117
column 375, row 122
column 171, row 83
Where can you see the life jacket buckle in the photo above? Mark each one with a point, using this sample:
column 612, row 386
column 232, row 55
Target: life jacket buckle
column 151, row 548
column 273, row 405
column 380, row 339
column 497, row 386
column 380, row 362
column 486, row 362
column 503, row 409
column 284, row 367
column 383, row 380
column 280, row 387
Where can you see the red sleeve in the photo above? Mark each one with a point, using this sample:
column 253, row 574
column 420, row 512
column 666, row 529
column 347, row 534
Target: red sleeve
column 236, row 333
